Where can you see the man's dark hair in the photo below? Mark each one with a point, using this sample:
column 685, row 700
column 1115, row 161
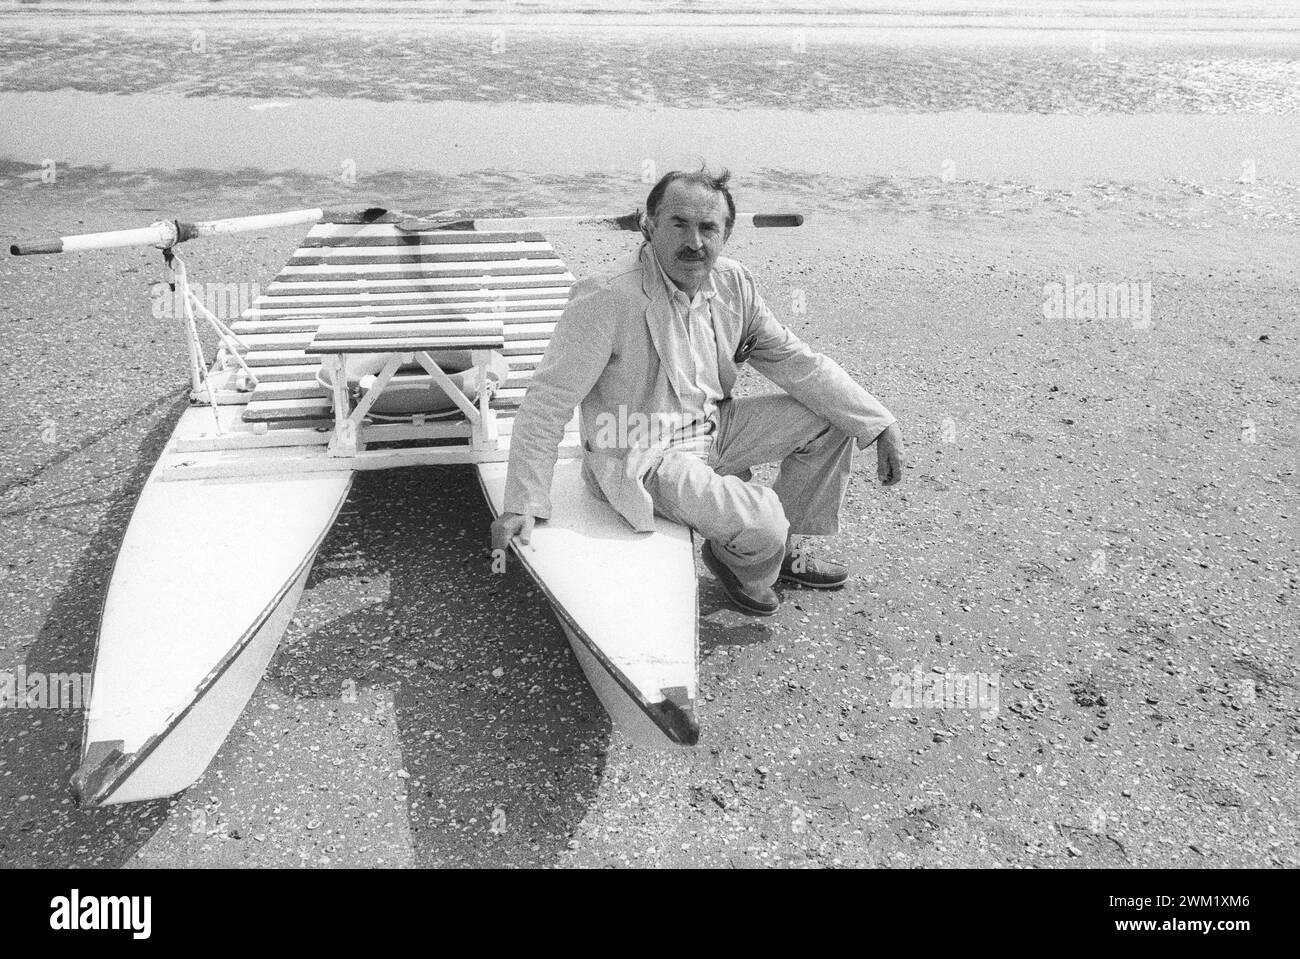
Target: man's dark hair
column 701, row 177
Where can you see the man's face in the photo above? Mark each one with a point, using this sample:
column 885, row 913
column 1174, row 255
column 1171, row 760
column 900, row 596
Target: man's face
column 687, row 233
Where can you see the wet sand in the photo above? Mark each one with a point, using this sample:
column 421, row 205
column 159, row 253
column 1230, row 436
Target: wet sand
column 325, row 136
column 1100, row 514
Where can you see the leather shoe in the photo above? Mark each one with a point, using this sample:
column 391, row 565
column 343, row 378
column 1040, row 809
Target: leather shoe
column 801, row 567
column 757, row 600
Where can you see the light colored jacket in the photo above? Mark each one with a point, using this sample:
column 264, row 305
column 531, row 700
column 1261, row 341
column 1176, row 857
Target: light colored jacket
column 617, row 346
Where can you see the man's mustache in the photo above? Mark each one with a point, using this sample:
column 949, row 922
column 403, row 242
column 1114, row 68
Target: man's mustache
column 686, row 254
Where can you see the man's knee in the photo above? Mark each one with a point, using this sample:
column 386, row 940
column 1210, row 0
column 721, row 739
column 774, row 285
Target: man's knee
column 826, row 439
column 765, row 529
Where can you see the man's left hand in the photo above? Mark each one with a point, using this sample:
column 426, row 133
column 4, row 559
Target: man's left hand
column 889, row 456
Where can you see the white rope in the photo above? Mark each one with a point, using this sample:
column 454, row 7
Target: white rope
column 192, row 333
column 230, row 345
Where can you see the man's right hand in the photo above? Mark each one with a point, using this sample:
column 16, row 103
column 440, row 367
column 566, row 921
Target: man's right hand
column 509, row 525
column 889, row 456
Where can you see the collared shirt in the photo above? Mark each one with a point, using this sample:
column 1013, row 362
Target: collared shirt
column 694, row 321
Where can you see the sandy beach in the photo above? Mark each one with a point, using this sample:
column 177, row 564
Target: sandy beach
column 1100, row 512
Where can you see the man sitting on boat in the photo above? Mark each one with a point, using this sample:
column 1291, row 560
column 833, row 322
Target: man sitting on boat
column 650, row 349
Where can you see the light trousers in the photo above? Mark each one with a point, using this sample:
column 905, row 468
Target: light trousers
column 747, row 524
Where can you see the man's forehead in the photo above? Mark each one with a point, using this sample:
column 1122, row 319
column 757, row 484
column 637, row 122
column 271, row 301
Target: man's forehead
column 693, row 201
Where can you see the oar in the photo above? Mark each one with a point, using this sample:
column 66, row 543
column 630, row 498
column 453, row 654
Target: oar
column 167, row 233
column 454, row 220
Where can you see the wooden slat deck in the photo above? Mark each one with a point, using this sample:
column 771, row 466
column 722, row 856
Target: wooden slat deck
column 348, row 274
column 375, row 269
column 503, row 286
column 401, row 337
column 286, row 341
column 270, row 375
column 520, row 319
column 309, row 388
column 425, row 302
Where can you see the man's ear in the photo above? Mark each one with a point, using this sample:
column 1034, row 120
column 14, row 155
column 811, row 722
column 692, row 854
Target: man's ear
column 646, row 225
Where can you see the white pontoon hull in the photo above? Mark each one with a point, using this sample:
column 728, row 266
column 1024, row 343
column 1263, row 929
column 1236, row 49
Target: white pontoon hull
column 626, row 600
column 206, row 580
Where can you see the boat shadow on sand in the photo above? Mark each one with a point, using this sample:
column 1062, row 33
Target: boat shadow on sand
column 501, row 741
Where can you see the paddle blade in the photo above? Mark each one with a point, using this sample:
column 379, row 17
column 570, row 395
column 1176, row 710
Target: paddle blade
column 778, row 219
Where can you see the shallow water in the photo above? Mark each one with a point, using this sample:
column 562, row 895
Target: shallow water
column 656, row 63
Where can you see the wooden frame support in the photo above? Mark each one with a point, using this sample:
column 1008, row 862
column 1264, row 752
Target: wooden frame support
column 348, row 438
